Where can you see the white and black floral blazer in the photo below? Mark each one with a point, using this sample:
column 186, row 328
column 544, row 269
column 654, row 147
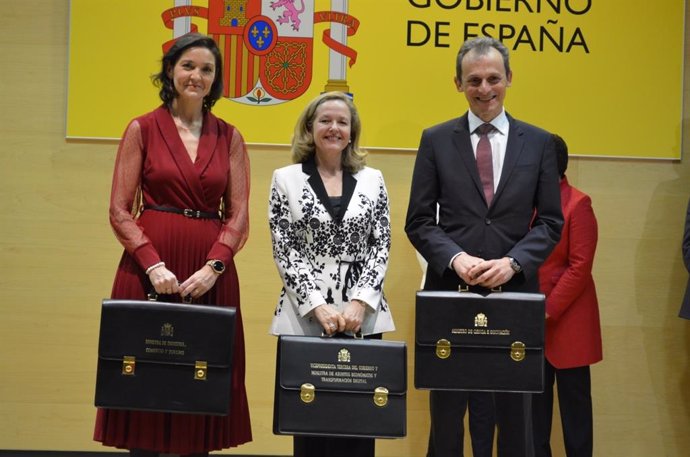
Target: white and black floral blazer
column 324, row 257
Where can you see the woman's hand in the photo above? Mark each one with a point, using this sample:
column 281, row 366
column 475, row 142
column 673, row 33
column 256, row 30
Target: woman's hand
column 164, row 281
column 199, row 283
column 354, row 315
column 330, row 319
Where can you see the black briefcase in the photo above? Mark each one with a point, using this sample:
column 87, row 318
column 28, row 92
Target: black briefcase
column 167, row 357
column 467, row 341
column 340, row 387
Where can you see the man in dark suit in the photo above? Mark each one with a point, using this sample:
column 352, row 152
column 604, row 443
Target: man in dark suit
column 495, row 227
column 685, row 306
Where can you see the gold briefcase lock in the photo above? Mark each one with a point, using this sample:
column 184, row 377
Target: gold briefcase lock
column 307, row 393
column 443, row 349
column 517, row 351
column 200, row 370
column 128, row 365
column 380, row 397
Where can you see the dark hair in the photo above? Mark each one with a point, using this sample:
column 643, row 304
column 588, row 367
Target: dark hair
column 163, row 80
column 481, row 45
column 561, row 154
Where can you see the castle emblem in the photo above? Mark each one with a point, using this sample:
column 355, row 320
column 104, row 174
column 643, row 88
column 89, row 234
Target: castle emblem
column 268, row 45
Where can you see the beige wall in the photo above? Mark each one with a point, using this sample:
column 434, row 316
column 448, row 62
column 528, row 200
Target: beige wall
column 58, row 257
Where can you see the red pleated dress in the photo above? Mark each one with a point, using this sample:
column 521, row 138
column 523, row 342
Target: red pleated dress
column 153, row 168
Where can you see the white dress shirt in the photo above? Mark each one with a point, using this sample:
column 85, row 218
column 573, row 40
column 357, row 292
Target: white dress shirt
column 497, row 137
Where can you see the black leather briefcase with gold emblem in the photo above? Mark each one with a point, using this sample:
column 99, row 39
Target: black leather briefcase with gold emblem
column 467, row 341
column 165, row 357
column 340, row 387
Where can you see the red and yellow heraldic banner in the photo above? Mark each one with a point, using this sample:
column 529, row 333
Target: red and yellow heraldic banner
column 604, row 74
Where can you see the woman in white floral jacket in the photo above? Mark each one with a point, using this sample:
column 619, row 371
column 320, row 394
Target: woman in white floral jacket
column 330, row 226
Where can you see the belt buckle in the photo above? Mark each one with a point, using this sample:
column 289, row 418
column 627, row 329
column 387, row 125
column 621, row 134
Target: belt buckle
column 191, row 213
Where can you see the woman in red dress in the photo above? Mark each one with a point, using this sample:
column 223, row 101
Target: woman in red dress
column 179, row 206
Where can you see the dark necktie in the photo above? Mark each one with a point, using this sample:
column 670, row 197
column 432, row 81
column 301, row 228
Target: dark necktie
column 484, row 161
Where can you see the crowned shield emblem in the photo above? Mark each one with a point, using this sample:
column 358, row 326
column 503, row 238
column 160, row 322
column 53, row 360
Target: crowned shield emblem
column 227, row 20
column 288, row 67
column 267, row 45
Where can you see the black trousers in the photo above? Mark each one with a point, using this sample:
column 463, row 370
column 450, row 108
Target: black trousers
column 482, row 421
column 513, row 418
column 327, row 446
column 575, row 402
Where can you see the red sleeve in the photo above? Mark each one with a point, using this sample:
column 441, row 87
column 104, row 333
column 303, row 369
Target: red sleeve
column 125, row 195
column 235, row 228
column 582, row 245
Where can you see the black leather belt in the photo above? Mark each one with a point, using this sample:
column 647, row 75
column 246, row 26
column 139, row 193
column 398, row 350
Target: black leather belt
column 191, row 213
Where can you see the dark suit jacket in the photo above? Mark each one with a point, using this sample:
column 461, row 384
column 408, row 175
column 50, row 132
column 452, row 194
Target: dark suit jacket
column 524, row 220
column 685, row 307
column 573, row 332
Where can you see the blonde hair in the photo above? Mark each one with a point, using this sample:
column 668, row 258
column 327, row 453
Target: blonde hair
column 303, row 148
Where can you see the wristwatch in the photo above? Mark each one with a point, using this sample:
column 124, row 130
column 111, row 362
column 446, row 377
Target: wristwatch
column 217, row 265
column 515, row 265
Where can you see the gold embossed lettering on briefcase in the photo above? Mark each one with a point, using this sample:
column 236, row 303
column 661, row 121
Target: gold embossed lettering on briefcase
column 467, row 341
column 340, row 387
column 165, row 357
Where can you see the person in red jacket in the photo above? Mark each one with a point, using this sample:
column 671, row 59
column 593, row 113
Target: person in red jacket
column 573, row 333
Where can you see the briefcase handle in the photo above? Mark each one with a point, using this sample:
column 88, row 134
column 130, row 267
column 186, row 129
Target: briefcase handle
column 357, row 336
column 462, row 287
column 152, row 295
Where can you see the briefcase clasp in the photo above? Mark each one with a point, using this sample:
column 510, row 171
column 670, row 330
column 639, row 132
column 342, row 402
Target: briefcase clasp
column 380, row 397
column 517, row 351
column 200, row 370
column 307, row 393
column 128, row 365
column 443, row 349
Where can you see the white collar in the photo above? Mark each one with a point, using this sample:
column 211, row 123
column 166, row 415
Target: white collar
column 500, row 122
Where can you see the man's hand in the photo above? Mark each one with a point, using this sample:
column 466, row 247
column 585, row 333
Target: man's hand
column 491, row 273
column 463, row 265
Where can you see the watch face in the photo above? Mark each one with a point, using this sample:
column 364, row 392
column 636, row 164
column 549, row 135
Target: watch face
column 515, row 265
column 218, row 266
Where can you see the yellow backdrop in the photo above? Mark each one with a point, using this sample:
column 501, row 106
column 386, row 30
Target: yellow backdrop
column 605, row 75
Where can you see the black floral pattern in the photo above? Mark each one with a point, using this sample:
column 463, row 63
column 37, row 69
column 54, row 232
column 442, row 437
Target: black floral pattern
column 315, row 253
